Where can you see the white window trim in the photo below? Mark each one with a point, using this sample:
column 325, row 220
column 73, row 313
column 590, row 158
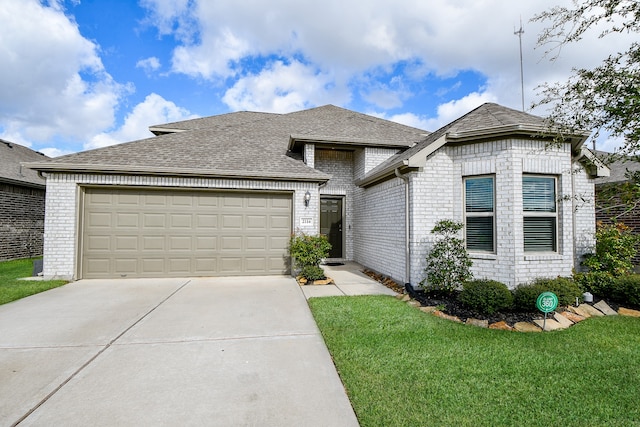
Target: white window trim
column 553, row 215
column 479, row 214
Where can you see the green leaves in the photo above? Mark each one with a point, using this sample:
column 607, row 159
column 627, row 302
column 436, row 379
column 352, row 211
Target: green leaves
column 307, row 251
column 448, row 263
column 607, row 97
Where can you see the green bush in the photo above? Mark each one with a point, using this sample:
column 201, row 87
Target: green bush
column 525, row 295
column 308, row 251
column 615, row 249
column 486, row 296
column 313, row 272
column 448, row 263
column 599, row 283
column 627, row 290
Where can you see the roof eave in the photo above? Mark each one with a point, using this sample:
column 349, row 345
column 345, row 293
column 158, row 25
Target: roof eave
column 298, row 140
column 168, row 171
column 577, row 139
column 20, row 183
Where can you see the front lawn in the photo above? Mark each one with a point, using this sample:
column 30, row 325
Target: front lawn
column 12, row 289
column 402, row 367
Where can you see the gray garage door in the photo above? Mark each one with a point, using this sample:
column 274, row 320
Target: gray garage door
column 172, row 233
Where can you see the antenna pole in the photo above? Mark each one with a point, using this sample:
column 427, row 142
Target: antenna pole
column 519, row 33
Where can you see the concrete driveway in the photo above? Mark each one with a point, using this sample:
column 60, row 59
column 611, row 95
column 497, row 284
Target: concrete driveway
column 205, row 351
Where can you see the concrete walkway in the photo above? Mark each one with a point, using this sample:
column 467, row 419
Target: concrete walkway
column 349, row 280
column 147, row 352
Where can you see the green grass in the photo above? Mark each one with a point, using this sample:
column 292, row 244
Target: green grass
column 402, row 367
column 12, row 289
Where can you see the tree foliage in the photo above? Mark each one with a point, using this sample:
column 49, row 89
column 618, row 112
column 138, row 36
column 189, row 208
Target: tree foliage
column 607, row 97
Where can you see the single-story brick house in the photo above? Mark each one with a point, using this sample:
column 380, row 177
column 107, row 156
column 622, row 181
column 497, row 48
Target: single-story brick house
column 221, row 195
column 21, row 203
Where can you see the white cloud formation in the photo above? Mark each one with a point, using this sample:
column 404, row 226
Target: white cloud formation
column 282, row 88
column 149, row 65
column 349, row 39
column 52, row 81
column 153, row 110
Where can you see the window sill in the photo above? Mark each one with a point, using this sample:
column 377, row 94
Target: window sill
column 549, row 256
column 487, row 256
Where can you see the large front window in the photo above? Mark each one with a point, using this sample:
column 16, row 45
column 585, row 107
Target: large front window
column 479, row 213
column 540, row 213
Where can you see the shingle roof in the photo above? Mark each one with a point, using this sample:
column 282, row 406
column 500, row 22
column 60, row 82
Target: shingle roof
column 618, row 165
column 220, row 121
column 487, row 120
column 11, row 170
column 249, row 148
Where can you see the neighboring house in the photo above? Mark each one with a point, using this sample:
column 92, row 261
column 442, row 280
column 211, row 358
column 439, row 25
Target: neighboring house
column 221, row 195
column 21, row 203
column 611, row 203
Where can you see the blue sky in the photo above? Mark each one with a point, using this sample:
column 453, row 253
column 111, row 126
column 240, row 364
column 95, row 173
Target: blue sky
column 83, row 74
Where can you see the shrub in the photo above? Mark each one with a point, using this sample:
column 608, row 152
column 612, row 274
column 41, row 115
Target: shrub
column 486, row 296
column 614, row 251
column 312, row 272
column 599, row 283
column 308, row 250
column 448, row 263
column 526, row 295
column 627, row 290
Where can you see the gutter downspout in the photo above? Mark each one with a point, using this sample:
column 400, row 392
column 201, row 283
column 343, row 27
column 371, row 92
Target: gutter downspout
column 407, row 230
column 574, row 207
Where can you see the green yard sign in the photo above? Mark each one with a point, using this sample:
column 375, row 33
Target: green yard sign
column 547, row 302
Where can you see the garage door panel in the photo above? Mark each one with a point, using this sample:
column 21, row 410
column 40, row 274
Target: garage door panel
column 256, row 243
column 153, row 243
column 152, row 265
column 127, row 220
column 256, row 222
column 254, row 265
column 126, row 243
column 130, row 199
column 232, row 221
column 232, row 201
column 179, row 243
column 230, row 265
column 180, row 266
column 206, row 221
column 164, row 233
column 100, row 219
column 126, row 265
column 99, row 243
column 231, row 243
column 278, row 244
column 280, row 222
column 181, row 221
column 154, row 220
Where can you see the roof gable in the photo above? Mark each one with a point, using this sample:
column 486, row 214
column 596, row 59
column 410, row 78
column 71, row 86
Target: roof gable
column 486, row 121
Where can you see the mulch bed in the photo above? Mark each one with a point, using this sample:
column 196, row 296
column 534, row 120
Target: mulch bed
column 449, row 304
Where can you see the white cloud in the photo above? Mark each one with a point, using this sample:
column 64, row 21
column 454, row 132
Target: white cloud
column 153, row 110
column 54, row 152
column 447, row 112
column 52, row 81
column 282, row 88
column 149, row 65
column 349, row 39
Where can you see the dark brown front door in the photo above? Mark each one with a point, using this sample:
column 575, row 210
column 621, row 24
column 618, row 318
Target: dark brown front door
column 331, row 224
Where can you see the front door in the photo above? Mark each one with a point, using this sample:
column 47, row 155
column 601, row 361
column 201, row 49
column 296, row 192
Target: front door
column 331, row 224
